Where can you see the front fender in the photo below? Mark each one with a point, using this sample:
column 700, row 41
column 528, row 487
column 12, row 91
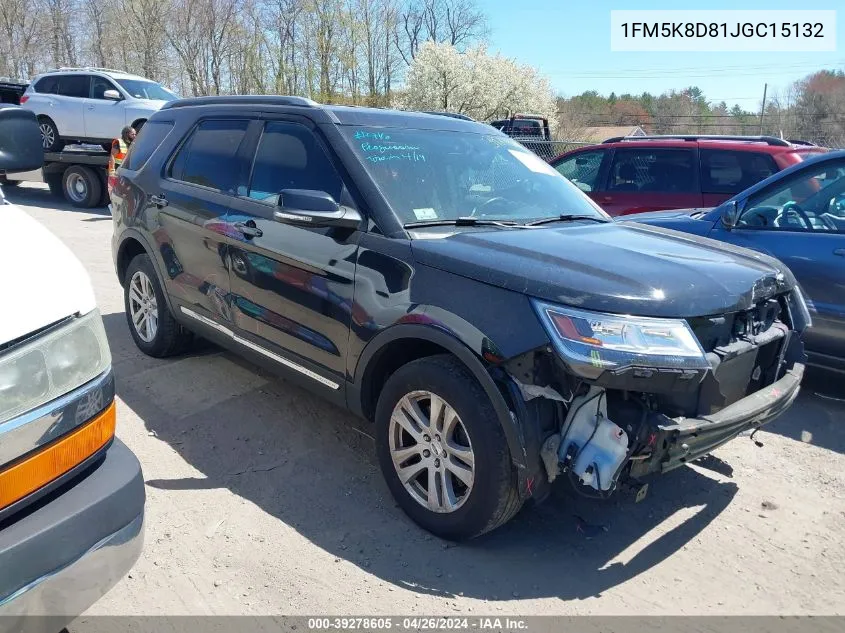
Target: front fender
column 427, row 332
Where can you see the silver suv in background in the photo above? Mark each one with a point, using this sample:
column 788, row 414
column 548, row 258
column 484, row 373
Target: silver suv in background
column 90, row 105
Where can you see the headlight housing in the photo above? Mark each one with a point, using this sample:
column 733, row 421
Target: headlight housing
column 591, row 342
column 52, row 364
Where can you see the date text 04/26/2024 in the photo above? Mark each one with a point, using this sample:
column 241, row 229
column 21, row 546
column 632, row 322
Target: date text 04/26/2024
column 457, row 623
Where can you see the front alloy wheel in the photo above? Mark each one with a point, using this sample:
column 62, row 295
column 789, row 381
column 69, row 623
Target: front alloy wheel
column 431, row 451
column 442, row 450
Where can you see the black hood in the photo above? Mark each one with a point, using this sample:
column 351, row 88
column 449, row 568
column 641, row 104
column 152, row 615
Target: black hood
column 613, row 267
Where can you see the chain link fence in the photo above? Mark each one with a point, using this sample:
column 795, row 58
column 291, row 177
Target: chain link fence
column 547, row 150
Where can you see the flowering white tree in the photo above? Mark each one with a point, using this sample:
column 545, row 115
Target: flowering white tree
column 474, row 83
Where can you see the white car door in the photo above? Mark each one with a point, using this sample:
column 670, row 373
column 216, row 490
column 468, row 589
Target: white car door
column 104, row 118
column 68, row 103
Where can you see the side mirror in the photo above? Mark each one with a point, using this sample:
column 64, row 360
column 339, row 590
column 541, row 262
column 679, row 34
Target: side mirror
column 20, row 140
column 730, row 215
column 112, row 94
column 309, row 207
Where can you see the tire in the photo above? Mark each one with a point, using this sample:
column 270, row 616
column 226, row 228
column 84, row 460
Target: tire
column 54, row 182
column 491, row 499
column 50, row 139
column 168, row 338
column 81, row 186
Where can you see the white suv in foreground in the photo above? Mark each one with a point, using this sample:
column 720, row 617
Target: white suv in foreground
column 90, row 105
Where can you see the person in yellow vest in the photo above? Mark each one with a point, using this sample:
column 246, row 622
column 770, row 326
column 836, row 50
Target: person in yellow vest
column 119, row 147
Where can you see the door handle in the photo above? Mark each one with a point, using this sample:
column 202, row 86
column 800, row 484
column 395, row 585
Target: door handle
column 840, row 252
column 159, row 201
column 249, row 229
column 90, row 107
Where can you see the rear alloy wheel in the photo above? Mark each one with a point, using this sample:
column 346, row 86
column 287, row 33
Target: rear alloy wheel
column 50, row 139
column 153, row 328
column 442, row 450
column 143, row 307
column 82, row 186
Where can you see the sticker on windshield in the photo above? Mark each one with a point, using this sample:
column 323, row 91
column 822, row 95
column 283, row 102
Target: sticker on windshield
column 533, row 162
column 425, row 213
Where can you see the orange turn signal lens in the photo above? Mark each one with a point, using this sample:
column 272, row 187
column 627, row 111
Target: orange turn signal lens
column 54, row 460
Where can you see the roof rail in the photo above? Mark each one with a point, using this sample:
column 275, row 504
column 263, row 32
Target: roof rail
column 795, row 141
column 241, row 100
column 107, row 70
column 769, row 140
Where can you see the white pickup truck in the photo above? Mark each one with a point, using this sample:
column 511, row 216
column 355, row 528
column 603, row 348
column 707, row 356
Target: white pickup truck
column 71, row 494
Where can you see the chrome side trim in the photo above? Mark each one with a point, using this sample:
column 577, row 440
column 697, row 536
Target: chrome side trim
column 257, row 348
column 33, row 429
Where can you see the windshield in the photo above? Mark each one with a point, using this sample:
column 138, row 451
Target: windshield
column 146, row 89
column 431, row 175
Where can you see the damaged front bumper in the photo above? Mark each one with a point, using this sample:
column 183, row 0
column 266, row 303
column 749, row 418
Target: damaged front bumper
column 681, row 440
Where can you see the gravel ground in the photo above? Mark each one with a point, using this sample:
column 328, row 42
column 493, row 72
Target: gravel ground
column 263, row 499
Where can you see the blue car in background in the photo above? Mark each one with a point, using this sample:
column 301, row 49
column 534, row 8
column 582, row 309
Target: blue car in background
column 798, row 216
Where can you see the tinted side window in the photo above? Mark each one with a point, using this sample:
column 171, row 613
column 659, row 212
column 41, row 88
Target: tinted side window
column 582, row 169
column 46, row 85
column 290, row 157
column 208, row 157
column 652, row 170
column 74, row 85
column 100, row 85
column 728, row 172
column 148, row 139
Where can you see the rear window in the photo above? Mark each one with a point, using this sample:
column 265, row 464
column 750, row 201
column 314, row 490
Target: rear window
column 74, row 86
column 149, row 138
column 209, row 157
column 729, row 172
column 46, row 85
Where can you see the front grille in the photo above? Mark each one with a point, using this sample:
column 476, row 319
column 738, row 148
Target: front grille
column 723, row 330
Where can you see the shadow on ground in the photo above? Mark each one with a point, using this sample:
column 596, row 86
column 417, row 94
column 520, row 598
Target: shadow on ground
column 310, row 465
column 40, row 196
column 819, row 415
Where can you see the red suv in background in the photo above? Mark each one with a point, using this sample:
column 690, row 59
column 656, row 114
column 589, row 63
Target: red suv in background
column 653, row 173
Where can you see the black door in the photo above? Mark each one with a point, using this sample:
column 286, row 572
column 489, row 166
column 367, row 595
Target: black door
column 292, row 286
column 194, row 196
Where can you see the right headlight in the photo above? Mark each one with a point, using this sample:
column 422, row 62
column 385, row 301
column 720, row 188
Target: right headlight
column 591, row 342
column 52, row 364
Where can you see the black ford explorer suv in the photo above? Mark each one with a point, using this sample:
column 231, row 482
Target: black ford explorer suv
column 440, row 280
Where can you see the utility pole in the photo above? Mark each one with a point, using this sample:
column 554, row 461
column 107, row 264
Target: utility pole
column 763, row 108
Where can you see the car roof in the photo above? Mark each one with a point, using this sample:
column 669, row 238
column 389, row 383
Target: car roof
column 762, row 144
column 338, row 114
column 108, row 72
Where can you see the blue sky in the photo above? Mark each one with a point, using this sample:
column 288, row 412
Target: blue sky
column 569, row 41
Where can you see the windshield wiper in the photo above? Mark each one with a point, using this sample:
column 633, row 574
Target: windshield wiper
column 464, row 221
column 566, row 218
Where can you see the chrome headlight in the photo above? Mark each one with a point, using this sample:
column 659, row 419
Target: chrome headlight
column 52, row 364
column 591, row 342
